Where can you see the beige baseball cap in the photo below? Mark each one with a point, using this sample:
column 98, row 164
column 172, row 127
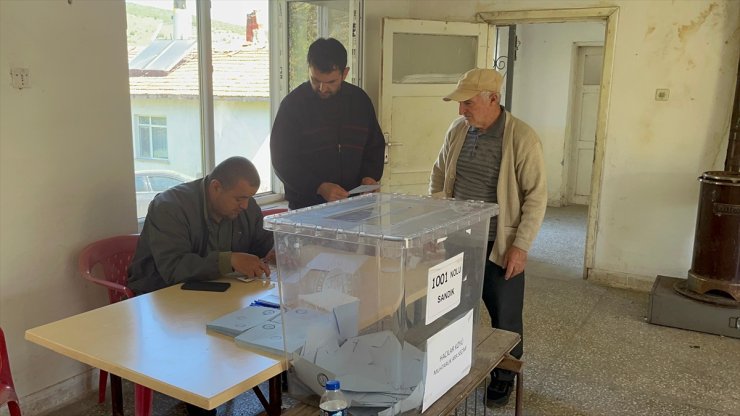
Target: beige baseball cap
column 475, row 81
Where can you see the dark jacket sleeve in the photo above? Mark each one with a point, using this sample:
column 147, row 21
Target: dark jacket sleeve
column 287, row 161
column 172, row 250
column 254, row 239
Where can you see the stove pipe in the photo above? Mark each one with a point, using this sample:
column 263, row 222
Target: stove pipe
column 732, row 161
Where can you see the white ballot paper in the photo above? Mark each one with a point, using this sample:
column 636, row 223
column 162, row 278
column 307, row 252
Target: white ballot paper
column 364, row 188
column 449, row 357
column 347, row 263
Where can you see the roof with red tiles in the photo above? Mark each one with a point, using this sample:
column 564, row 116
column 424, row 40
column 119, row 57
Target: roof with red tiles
column 240, row 74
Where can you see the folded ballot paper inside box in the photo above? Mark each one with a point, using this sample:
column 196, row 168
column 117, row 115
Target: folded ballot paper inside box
column 383, row 274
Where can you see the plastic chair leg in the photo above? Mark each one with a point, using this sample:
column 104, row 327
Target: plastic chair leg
column 102, row 385
column 142, row 400
column 15, row 409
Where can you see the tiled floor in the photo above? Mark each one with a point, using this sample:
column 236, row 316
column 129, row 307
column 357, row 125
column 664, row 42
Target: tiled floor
column 588, row 350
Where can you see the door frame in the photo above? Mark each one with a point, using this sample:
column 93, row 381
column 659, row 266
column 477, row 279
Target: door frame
column 610, row 15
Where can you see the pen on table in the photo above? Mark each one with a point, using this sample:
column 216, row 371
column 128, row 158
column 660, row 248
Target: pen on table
column 265, row 304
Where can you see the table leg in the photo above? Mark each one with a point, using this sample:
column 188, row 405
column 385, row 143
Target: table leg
column 512, row 364
column 276, row 395
column 116, row 395
column 273, row 407
column 519, row 392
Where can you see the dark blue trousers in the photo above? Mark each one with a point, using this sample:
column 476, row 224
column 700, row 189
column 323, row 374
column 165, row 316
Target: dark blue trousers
column 504, row 300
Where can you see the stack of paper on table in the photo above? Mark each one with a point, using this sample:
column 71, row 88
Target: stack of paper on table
column 239, row 321
column 269, row 335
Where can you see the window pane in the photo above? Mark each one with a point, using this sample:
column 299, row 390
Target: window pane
column 308, row 21
column 158, row 121
column 339, row 26
column 159, row 142
column 241, row 83
column 144, row 142
column 163, row 79
column 592, row 67
column 302, row 30
column 447, row 57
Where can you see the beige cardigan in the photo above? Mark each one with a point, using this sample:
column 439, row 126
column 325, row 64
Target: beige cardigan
column 522, row 187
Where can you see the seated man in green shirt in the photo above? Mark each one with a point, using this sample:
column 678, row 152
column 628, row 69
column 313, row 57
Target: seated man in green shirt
column 203, row 229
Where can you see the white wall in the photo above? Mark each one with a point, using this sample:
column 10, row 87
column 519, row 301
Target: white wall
column 66, row 173
column 183, row 134
column 654, row 150
column 542, row 77
column 65, row 146
column 243, row 128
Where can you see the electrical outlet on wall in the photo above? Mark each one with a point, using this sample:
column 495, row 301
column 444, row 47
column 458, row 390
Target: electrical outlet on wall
column 662, row 94
column 20, row 78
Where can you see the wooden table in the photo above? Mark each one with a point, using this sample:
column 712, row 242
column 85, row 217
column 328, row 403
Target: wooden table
column 159, row 341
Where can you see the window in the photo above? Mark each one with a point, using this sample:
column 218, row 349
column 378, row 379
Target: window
column 308, row 20
column 151, row 137
column 186, row 118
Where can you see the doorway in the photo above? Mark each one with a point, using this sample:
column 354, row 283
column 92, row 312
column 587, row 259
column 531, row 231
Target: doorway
column 553, row 73
column 605, row 16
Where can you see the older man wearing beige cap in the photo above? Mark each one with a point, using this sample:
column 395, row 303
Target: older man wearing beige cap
column 490, row 155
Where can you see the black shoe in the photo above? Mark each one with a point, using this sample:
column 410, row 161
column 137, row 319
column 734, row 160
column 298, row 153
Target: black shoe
column 198, row 411
column 498, row 393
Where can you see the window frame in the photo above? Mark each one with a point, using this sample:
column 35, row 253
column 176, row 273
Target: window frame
column 278, row 38
column 278, row 41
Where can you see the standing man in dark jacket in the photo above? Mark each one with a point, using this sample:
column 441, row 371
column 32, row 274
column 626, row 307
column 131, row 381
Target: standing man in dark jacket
column 326, row 139
column 203, row 229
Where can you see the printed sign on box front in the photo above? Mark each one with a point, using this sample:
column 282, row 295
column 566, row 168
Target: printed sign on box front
column 444, row 283
column 449, row 357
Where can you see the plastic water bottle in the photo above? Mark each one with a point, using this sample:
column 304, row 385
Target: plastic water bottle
column 332, row 401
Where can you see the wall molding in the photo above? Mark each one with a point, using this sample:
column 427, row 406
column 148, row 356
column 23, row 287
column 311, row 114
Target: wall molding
column 59, row 395
column 621, row 280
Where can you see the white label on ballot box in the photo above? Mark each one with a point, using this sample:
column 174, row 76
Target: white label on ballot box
column 448, row 360
column 443, row 287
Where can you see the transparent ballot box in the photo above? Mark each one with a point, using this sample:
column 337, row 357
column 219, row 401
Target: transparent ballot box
column 380, row 292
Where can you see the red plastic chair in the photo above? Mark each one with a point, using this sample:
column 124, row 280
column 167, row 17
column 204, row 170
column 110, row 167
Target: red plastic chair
column 7, row 389
column 114, row 255
column 270, row 211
